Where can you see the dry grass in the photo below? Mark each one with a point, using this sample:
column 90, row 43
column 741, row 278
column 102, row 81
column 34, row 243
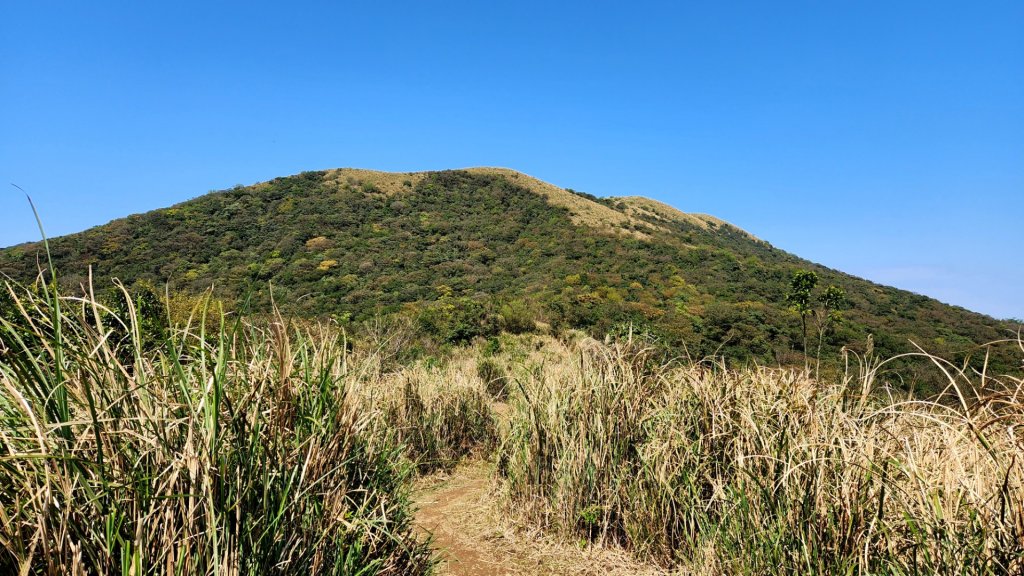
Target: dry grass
column 236, row 447
column 440, row 414
column 582, row 211
column 639, row 206
column 389, row 183
column 230, row 448
column 766, row 471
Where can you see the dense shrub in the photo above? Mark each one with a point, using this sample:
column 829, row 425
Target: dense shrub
column 517, row 317
column 457, row 320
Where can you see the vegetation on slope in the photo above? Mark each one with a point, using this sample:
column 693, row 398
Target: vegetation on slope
column 465, row 250
column 228, row 445
column 221, row 447
column 764, row 471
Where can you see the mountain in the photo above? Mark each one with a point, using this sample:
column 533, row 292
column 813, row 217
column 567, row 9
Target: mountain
column 352, row 244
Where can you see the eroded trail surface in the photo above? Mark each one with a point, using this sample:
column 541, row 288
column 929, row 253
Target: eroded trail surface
column 473, row 539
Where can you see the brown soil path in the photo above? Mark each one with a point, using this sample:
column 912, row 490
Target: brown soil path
column 473, row 538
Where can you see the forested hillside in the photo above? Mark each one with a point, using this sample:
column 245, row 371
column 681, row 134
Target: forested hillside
column 470, row 251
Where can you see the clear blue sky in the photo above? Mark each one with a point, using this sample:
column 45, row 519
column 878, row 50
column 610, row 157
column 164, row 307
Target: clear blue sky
column 885, row 139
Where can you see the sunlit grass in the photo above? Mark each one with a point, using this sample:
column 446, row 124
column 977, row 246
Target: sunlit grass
column 230, row 448
column 766, row 470
column 259, row 446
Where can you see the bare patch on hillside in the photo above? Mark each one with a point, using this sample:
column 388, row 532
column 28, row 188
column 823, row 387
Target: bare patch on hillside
column 389, row 183
column 640, row 206
column 581, row 210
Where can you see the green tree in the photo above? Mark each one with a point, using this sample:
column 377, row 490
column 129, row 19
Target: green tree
column 800, row 300
column 457, row 320
column 830, row 304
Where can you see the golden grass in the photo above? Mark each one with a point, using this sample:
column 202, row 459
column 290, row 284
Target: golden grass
column 659, row 210
column 230, row 447
column 389, row 183
column 764, row 471
column 244, row 447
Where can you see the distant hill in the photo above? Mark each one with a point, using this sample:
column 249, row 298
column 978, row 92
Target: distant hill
column 355, row 243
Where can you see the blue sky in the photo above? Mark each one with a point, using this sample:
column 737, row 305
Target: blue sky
column 885, row 139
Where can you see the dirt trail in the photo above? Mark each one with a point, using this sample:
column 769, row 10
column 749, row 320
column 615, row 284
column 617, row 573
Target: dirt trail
column 474, row 539
column 452, row 509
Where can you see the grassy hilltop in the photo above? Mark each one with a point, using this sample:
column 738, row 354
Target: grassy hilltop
column 467, row 250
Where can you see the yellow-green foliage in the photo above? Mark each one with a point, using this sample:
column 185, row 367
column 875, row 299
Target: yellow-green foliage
column 357, row 244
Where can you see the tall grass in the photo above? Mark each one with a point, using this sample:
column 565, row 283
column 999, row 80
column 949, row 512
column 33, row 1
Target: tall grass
column 229, row 448
column 769, row 471
column 440, row 414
